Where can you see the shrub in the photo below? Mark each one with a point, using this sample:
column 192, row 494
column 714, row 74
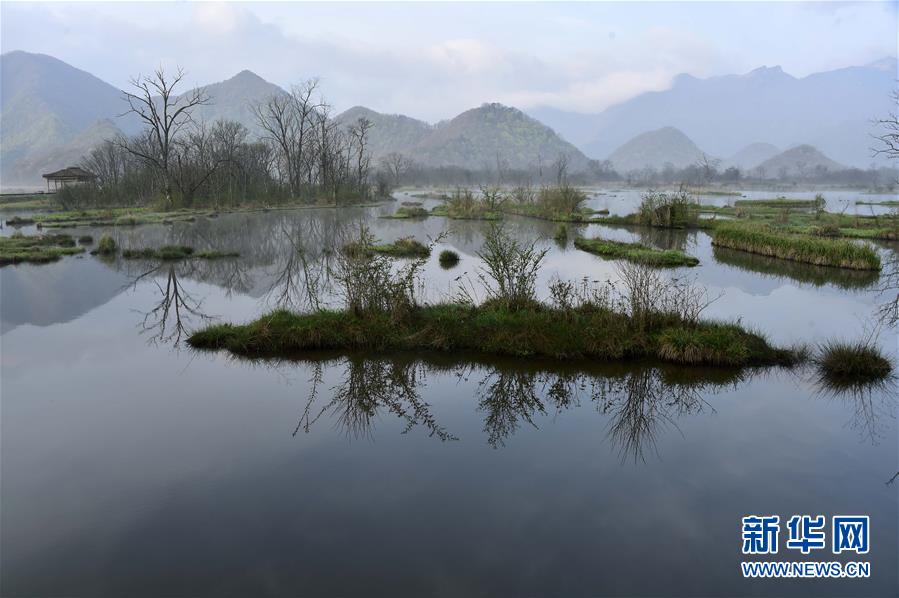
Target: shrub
column 668, row 210
column 846, row 364
column 561, row 234
column 448, row 258
column 107, row 246
column 509, row 275
column 561, row 201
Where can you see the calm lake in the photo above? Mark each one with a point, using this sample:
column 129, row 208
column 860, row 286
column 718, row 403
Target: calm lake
column 132, row 465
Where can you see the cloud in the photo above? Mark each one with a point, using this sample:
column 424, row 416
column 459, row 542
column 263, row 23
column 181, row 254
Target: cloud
column 413, row 59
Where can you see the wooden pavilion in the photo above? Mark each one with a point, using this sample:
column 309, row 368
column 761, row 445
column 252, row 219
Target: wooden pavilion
column 73, row 175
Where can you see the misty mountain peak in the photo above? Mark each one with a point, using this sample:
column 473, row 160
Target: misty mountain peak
column 768, row 72
column 247, row 76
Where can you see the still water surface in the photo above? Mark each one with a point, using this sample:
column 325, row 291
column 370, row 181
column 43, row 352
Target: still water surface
column 134, row 466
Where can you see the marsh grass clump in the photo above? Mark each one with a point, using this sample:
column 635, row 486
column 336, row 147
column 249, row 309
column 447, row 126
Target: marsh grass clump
column 717, row 344
column 562, row 203
column 448, row 258
column 36, row 249
column 668, row 210
column 782, row 202
column 404, row 247
column 800, row 248
column 107, row 246
column 167, row 252
column 85, row 240
column 635, row 252
column 561, row 234
column 845, row 364
column 464, row 204
column 216, row 255
column 409, row 210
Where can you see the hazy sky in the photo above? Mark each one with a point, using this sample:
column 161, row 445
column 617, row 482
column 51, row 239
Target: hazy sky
column 435, row 60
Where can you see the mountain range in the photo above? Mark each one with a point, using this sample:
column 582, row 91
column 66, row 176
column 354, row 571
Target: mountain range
column 475, row 139
column 832, row 110
column 52, row 113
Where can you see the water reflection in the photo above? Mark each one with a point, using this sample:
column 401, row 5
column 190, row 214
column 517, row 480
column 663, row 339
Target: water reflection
column 804, row 273
column 872, row 406
column 177, row 310
column 638, row 401
column 368, row 387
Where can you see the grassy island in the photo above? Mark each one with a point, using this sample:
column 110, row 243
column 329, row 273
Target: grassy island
column 818, row 251
column 404, row 247
column 36, row 249
column 175, row 252
column 635, row 252
column 539, row 331
column 655, row 318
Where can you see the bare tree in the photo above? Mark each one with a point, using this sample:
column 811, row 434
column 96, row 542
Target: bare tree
column 164, row 115
column 359, row 134
column 889, row 137
column 396, row 165
column 560, row 166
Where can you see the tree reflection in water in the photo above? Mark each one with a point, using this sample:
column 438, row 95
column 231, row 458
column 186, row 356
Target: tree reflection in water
column 870, row 404
column 177, row 309
column 639, row 401
column 302, row 271
column 369, row 385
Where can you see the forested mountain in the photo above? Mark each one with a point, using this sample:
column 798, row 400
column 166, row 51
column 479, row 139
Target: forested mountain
column 481, row 137
column 45, row 105
column 656, row 149
column 802, row 161
column 392, row 133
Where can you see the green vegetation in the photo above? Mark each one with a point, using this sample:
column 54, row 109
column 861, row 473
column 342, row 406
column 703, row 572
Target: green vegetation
column 215, row 255
column 635, row 252
column 448, row 258
column 667, row 210
column 408, row 210
column 561, row 234
column 658, row 318
column 562, row 203
column 26, row 202
column 136, row 216
column 36, row 249
column 782, row 202
column 887, row 202
column 167, row 252
column 539, row 331
column 718, row 192
column 463, row 204
column 848, row 364
column 107, row 246
column 404, row 247
column 799, row 248
column 175, row 252
column 803, row 273
column 17, row 221
column 85, row 240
